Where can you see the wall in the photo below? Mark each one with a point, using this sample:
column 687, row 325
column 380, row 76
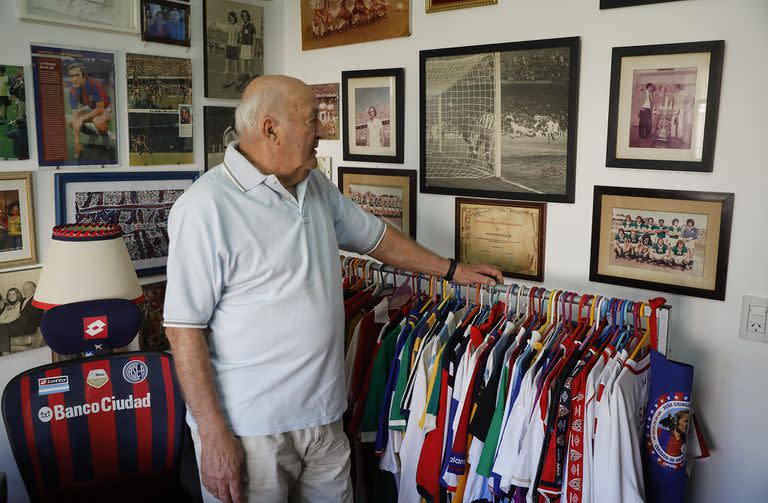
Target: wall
column 730, row 372
column 17, row 36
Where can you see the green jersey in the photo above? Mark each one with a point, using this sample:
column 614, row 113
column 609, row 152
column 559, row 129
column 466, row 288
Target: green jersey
column 660, row 249
column 680, row 251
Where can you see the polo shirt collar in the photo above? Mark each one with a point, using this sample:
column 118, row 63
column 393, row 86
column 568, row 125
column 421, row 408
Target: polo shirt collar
column 245, row 175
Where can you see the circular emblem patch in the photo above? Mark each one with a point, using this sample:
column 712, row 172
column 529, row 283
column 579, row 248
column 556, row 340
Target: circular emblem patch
column 45, row 414
column 135, row 371
column 668, row 429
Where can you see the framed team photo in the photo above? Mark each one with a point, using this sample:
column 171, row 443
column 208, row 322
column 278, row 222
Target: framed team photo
column 668, row 240
column 219, row 125
column 19, row 319
column 14, row 137
column 499, row 120
column 328, row 24
column 17, row 220
column 507, row 234
column 613, row 4
column 374, row 115
column 139, row 202
column 663, row 106
column 96, row 15
column 233, row 37
column 165, row 22
column 328, row 107
column 441, row 5
column 389, row 194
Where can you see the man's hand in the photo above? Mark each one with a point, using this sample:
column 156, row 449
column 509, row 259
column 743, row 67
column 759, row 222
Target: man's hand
column 477, row 273
column 222, row 467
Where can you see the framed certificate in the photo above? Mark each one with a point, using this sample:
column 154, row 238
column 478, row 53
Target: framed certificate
column 505, row 234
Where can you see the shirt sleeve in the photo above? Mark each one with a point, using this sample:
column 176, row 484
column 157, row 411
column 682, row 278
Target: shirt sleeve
column 194, row 270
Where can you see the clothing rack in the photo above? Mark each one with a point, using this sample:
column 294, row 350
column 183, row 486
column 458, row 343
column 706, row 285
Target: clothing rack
column 662, row 313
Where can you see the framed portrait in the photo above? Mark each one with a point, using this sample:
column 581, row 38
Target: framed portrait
column 152, row 334
column 374, row 115
column 324, row 25
column 75, row 106
column 138, row 202
column 328, row 107
column 389, row 194
column 19, row 319
column 613, row 4
column 159, row 109
column 219, row 126
column 499, row 120
column 165, row 22
column 17, row 220
column 233, row 37
column 14, row 137
column 441, row 5
column 325, row 165
column 507, row 234
column 663, row 106
column 100, row 15
column 667, row 240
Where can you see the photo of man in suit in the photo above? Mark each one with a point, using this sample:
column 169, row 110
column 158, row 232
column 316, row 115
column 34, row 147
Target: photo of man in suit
column 20, row 334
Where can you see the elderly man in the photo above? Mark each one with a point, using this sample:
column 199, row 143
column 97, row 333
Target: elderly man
column 253, row 265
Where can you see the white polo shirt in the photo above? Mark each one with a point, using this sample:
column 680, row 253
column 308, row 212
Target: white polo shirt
column 260, row 270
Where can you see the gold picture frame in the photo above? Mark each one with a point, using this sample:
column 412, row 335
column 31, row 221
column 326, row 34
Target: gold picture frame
column 17, row 229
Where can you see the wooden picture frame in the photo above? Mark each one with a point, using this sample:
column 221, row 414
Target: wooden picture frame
column 510, row 235
column 691, row 230
column 374, row 115
column 442, row 5
column 17, row 220
column 122, row 16
column 158, row 23
column 389, row 194
column 499, row 120
column 664, row 105
column 614, row 4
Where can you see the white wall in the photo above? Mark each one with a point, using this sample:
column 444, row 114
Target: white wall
column 730, row 372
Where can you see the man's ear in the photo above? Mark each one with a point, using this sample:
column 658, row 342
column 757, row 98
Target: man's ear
column 268, row 129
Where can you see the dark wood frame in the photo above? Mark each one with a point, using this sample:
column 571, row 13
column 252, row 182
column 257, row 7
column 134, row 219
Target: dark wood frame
column 723, row 244
column 399, row 134
column 614, row 4
column 402, row 173
column 456, row 4
column 542, row 207
column 716, row 49
column 573, row 44
column 171, row 5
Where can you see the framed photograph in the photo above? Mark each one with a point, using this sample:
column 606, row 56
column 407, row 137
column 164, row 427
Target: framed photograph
column 159, row 109
column 499, row 120
column 613, row 4
column 663, row 106
column 19, row 319
column 99, row 15
column 374, row 115
column 507, row 234
column 389, row 194
column 328, row 105
column 233, row 36
column 219, row 126
column 14, row 138
column 75, row 107
column 324, row 25
column 138, row 202
column 440, row 5
column 17, row 220
column 668, row 240
column 165, row 22
column 152, row 334
column 325, row 165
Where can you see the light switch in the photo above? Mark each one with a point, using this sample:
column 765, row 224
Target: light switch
column 754, row 318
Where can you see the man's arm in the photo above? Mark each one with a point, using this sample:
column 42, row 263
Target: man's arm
column 222, row 465
column 401, row 251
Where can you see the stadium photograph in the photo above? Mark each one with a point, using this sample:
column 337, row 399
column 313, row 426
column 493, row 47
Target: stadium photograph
column 14, row 139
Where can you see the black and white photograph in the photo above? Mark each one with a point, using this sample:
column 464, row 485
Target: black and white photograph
column 19, row 319
column 219, row 124
column 662, row 108
column 234, row 46
column 500, row 120
column 328, row 108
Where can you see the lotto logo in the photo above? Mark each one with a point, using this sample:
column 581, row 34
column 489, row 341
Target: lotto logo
column 95, row 327
column 45, row 414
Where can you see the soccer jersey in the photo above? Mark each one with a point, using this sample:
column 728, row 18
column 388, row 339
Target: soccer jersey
column 660, row 249
column 621, row 238
column 90, row 94
column 634, row 239
column 674, row 231
column 679, row 251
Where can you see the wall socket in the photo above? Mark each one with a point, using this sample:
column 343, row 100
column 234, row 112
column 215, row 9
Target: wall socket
column 754, row 318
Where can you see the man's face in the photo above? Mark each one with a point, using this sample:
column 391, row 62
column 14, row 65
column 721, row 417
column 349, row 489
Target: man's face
column 77, row 77
column 28, row 290
column 301, row 131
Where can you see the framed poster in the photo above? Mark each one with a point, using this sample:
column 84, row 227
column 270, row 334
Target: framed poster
column 389, row 194
column 500, row 120
column 14, row 137
column 138, row 202
column 613, row 4
column 159, row 109
column 152, row 334
column 74, row 106
column 165, row 22
column 219, row 125
column 341, row 23
column 509, row 235
column 663, row 106
column 100, row 15
column 17, row 220
column 233, row 36
column 19, row 319
column 328, row 107
column 441, row 5
column 668, row 240
column 374, row 115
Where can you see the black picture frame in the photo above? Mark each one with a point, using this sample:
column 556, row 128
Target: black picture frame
column 671, row 125
column 147, row 12
column 706, row 246
column 402, row 181
column 614, row 4
column 531, row 129
column 362, row 90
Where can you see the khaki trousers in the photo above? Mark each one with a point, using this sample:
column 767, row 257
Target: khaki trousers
column 308, row 466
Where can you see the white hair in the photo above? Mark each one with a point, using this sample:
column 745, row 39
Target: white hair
column 263, row 101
